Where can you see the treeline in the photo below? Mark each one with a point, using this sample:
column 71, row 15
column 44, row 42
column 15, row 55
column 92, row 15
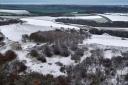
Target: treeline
column 111, row 32
column 10, row 21
column 93, row 23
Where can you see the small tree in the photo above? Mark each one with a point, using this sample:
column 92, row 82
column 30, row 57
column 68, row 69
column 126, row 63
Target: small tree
column 34, row 53
column 10, row 55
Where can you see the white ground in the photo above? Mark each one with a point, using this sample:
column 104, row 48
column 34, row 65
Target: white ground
column 19, row 12
column 96, row 18
column 91, row 17
column 109, row 54
column 47, row 23
column 14, row 32
column 113, row 28
column 107, row 40
column 116, row 17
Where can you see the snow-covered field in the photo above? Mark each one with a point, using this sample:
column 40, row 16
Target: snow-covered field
column 113, row 28
column 91, row 17
column 14, row 32
column 18, row 12
column 96, row 18
column 116, row 17
column 107, row 40
column 47, row 23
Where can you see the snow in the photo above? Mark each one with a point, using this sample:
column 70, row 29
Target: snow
column 19, row 12
column 116, row 17
column 123, row 71
column 47, row 18
column 91, row 17
column 14, row 32
column 33, row 65
column 50, row 67
column 63, row 60
column 120, row 14
column 109, row 54
column 113, row 28
column 107, row 40
column 46, row 23
column 36, row 66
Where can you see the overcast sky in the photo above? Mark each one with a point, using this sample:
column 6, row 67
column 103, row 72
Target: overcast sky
column 82, row 2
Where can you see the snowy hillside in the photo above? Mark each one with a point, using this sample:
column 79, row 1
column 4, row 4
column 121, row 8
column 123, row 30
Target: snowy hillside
column 43, row 51
column 18, row 12
column 116, row 17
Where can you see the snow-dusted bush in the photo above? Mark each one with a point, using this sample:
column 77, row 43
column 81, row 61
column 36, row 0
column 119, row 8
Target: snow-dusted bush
column 10, row 55
column 25, row 38
column 10, row 21
column 42, row 59
column 59, row 50
column 9, row 72
column 47, row 36
column 39, row 79
column 77, row 54
column 34, row 53
column 47, row 50
column 1, row 36
column 107, row 63
column 16, row 46
column 52, row 36
column 59, row 63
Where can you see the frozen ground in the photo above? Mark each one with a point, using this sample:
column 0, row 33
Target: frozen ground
column 47, row 23
column 116, row 17
column 113, row 28
column 91, row 17
column 14, row 32
column 18, row 12
column 96, row 18
column 107, row 40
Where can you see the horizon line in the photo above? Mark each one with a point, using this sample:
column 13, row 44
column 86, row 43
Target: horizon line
column 56, row 4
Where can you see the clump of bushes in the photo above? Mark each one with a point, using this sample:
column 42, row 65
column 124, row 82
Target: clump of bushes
column 8, row 56
column 77, row 54
column 42, row 59
column 59, row 42
column 48, row 51
column 10, row 21
column 1, row 37
column 39, row 79
column 47, row 36
column 9, row 72
column 16, row 46
column 25, row 38
column 34, row 53
column 55, row 35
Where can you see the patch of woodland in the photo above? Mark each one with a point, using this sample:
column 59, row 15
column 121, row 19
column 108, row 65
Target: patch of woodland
column 97, row 70
column 117, row 33
column 10, row 21
column 39, row 79
column 63, row 43
column 7, row 56
column 93, row 23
